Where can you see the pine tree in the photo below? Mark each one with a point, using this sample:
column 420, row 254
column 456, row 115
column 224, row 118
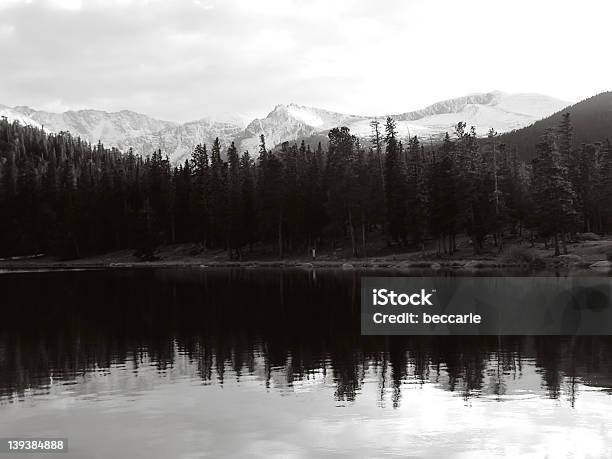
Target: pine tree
column 269, row 194
column 513, row 191
column 342, row 185
column 182, row 177
column 565, row 134
column 445, row 210
column 234, row 203
column 395, row 183
column 313, row 187
column 584, row 178
column 66, row 237
column 200, row 203
column 291, row 202
column 416, row 192
column 248, row 223
column 552, row 191
column 218, row 197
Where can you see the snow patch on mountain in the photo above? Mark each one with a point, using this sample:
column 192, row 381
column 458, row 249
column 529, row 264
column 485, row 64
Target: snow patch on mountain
column 531, row 105
column 305, row 115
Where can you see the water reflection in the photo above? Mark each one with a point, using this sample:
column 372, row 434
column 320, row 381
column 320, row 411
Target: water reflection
column 102, row 333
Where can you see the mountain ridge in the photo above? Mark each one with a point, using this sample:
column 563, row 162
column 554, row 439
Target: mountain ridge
column 127, row 129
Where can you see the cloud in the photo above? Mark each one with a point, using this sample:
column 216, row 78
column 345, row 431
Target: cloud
column 183, row 60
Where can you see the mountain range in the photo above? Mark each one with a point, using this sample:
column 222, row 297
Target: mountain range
column 127, row 129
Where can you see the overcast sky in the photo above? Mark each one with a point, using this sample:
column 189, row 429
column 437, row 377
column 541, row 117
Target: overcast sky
column 187, row 59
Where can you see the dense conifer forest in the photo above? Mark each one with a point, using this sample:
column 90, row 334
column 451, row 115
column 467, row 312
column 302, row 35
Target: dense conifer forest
column 62, row 196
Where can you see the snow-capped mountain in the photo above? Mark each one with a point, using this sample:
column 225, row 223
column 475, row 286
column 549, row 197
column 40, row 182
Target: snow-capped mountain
column 126, row 129
column 503, row 112
column 290, row 122
column 14, row 114
column 90, row 125
column 500, row 111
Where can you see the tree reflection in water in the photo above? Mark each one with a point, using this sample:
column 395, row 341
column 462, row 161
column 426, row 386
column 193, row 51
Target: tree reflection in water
column 283, row 327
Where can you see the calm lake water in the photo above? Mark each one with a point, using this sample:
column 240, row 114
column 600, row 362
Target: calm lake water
column 170, row 363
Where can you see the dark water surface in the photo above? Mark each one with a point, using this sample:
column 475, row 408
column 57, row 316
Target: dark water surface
column 170, row 363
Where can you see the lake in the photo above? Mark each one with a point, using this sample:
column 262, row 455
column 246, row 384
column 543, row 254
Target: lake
column 189, row 363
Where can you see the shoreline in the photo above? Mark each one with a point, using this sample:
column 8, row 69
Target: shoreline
column 585, row 255
column 345, row 264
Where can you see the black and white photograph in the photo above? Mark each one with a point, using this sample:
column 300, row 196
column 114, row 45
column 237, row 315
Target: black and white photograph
column 305, row 228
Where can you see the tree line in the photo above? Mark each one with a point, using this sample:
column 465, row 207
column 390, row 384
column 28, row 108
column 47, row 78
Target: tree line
column 60, row 195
